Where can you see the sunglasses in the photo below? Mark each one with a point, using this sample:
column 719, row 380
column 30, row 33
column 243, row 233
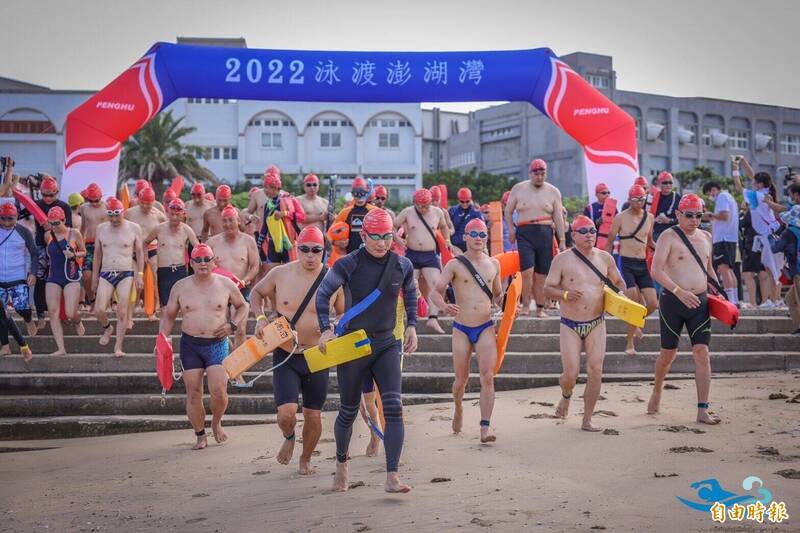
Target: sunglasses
column 360, row 193
column 465, row 201
column 198, row 195
column 380, row 198
column 586, row 231
column 637, row 198
column 477, row 234
column 55, row 222
column 8, row 219
column 94, row 201
column 202, row 259
column 114, row 213
column 538, row 171
column 603, row 192
column 380, row 236
column 692, row 214
column 48, row 195
column 311, row 184
column 310, row 249
column 666, row 183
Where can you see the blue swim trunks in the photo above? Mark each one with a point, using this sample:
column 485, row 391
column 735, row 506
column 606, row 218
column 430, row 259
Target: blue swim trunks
column 201, row 352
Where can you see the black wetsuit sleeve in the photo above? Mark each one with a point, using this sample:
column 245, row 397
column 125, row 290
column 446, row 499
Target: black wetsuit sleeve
column 334, row 279
column 67, row 212
column 31, row 246
column 409, row 291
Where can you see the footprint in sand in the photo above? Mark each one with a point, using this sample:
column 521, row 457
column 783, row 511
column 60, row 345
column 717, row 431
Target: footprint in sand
column 778, row 396
column 689, row 449
column 543, row 404
column 539, row 416
column 789, row 473
column 657, row 475
column 610, row 431
column 681, row 429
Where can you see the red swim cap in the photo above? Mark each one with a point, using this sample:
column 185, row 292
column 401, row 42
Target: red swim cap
column 169, row 195
column 202, row 250
column 311, row 178
column 56, row 213
column 636, row 191
column 177, row 205
column 339, row 231
column 209, row 196
column 49, row 185
column 641, row 180
column 358, row 183
column 273, row 169
column 230, row 212
column 436, row 193
column 198, row 188
column 476, row 224
column 223, row 192
column 423, row 197
column 504, row 199
column 690, row 202
column 8, row 209
column 113, row 204
column 147, row 195
column 537, row 164
column 582, row 221
column 93, row 192
column 664, row 175
column 380, row 190
column 600, row 187
column 311, row 234
column 141, row 184
column 378, row 221
column 464, row 194
column 272, row 180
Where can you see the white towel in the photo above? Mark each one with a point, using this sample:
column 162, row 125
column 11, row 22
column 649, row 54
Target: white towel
column 768, row 259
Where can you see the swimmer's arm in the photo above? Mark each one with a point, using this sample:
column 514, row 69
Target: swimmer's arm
column 409, row 293
column 444, row 280
column 191, row 235
column 497, row 285
column 263, row 291
column 552, row 284
column 252, row 205
column 80, row 247
column 170, row 312
column 449, row 221
column 98, row 255
column 509, row 212
column 660, row 262
column 150, row 236
column 612, row 234
column 253, row 261
column 158, row 205
column 332, row 281
column 140, row 255
column 444, row 228
column 238, row 302
column 338, row 302
column 612, row 273
column 558, row 219
column 401, row 218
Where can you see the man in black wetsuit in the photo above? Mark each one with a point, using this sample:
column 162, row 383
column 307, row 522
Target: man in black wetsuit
column 354, row 214
column 361, row 274
column 667, row 205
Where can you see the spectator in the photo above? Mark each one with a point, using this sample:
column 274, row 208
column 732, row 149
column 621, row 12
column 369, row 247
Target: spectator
column 507, row 245
column 764, row 225
column 595, row 209
column 789, row 244
column 461, row 214
column 18, row 262
column 724, row 236
column 667, row 204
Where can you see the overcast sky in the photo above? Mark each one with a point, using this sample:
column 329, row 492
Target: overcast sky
column 734, row 50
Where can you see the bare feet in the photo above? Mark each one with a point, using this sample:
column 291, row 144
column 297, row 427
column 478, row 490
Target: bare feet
column 433, row 323
column 487, row 435
column 105, row 338
column 119, row 353
column 202, row 442
column 219, row 434
column 523, row 311
column 286, row 451
column 562, row 408
column 151, row 318
column 41, row 323
column 393, row 484
column 59, row 352
column 458, row 419
column 80, row 329
column 31, row 327
column 630, row 350
column 541, row 313
column 26, row 352
column 305, row 467
column 587, row 426
column 707, row 417
column 654, row 403
column 5, row 350
column 374, row 445
column 340, row 478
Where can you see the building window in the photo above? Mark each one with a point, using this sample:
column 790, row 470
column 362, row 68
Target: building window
column 601, row 82
column 706, row 136
column 790, row 144
column 271, row 140
column 373, row 123
column 739, row 139
column 389, row 140
column 315, row 123
column 330, row 140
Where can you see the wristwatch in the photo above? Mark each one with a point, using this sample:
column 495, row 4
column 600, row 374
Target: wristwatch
column 233, row 326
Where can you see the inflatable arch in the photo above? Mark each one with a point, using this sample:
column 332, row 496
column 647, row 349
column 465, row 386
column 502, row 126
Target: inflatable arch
column 96, row 130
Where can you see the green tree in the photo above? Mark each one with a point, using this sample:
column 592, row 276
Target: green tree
column 485, row 187
column 156, row 153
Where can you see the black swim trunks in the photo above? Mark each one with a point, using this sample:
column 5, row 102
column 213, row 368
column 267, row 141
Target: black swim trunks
column 635, row 273
column 420, row 260
column 674, row 315
column 167, row 278
column 294, row 377
column 535, row 245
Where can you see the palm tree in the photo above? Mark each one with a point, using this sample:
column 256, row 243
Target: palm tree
column 156, row 153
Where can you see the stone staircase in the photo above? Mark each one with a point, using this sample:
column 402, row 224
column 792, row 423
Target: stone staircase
column 89, row 393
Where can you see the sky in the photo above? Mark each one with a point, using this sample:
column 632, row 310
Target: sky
column 734, row 50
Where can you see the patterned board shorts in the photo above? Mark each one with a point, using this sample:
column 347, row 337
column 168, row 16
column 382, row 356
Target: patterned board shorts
column 17, row 292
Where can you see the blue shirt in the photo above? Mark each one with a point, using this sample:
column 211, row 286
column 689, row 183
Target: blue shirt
column 460, row 218
column 18, row 254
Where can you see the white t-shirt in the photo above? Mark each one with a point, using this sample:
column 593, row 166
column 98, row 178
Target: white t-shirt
column 725, row 230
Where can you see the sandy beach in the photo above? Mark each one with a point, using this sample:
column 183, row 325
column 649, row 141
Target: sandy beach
column 541, row 474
